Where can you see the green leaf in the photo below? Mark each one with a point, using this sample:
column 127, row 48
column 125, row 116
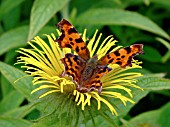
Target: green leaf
column 58, row 110
column 8, row 5
column 167, row 55
column 151, row 54
column 18, row 37
column 153, row 83
column 11, row 101
column 46, row 30
column 164, row 42
column 13, row 16
column 120, row 17
column 20, row 112
column 11, row 122
column 13, row 38
column 6, row 86
column 105, row 4
column 148, row 83
column 20, row 81
column 163, row 92
column 42, row 11
column 53, row 113
column 166, row 3
column 51, row 121
column 100, row 120
column 156, row 118
column 126, row 123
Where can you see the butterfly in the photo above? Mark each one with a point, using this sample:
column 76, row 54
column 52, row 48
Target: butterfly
column 86, row 72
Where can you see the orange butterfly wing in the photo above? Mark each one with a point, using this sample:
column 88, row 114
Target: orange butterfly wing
column 123, row 56
column 94, row 82
column 70, row 38
column 74, row 66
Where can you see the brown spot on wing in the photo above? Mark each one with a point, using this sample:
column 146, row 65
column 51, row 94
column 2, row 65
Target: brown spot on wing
column 74, row 66
column 123, row 56
column 70, row 38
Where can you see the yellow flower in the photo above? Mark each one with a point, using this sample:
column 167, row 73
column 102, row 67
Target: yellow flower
column 43, row 63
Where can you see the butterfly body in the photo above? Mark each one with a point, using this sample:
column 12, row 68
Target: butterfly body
column 86, row 72
column 89, row 68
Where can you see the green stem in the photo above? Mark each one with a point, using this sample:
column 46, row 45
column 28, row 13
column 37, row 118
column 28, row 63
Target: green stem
column 166, row 57
column 166, row 44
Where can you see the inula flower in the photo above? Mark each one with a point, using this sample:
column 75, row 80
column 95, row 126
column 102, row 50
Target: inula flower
column 43, row 62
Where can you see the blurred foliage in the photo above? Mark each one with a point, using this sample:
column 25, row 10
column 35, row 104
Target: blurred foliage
column 130, row 21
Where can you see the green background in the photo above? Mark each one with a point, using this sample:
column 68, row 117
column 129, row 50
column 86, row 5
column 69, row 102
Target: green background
column 130, row 21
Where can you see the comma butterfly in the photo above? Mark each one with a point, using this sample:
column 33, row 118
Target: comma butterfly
column 86, row 72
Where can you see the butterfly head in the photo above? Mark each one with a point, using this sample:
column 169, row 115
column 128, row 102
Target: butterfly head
column 93, row 60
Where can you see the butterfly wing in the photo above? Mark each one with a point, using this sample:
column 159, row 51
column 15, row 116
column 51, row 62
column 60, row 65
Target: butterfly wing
column 94, row 82
column 74, row 66
column 70, row 38
column 123, row 56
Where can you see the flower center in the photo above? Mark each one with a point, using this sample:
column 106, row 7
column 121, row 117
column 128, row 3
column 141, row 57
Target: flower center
column 67, row 85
